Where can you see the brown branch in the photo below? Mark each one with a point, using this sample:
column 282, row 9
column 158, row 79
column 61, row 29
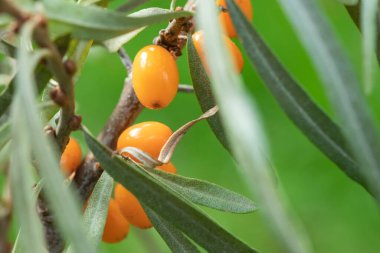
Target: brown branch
column 128, row 108
column 124, row 114
column 10, row 8
column 174, row 37
column 64, row 95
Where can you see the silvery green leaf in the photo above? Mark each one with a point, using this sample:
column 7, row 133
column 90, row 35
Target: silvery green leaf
column 244, row 131
column 341, row 85
column 166, row 203
column 206, row 194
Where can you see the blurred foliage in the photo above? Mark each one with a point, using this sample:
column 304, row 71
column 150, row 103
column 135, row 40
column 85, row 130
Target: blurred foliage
column 338, row 214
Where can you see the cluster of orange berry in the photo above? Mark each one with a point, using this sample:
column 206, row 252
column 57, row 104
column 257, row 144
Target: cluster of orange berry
column 125, row 209
column 149, row 137
column 155, row 80
column 155, row 74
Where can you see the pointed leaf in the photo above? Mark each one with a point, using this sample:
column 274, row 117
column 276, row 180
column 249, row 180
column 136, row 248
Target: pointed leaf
column 114, row 44
column 169, row 205
column 341, row 85
column 203, row 92
column 244, row 130
column 175, row 239
column 94, row 23
column 61, row 199
column 97, row 207
column 96, row 211
column 295, row 102
column 205, row 193
column 21, row 157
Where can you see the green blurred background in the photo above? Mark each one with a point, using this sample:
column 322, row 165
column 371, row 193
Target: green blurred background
column 337, row 214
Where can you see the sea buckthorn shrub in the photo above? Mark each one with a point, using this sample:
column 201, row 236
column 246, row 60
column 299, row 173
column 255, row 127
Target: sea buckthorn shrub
column 175, row 64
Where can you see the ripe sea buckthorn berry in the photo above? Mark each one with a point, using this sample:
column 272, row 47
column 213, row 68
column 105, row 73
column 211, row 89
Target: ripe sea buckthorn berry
column 150, row 137
column 116, row 227
column 198, row 39
column 169, row 168
column 131, row 208
column 155, row 77
column 225, row 18
column 71, row 157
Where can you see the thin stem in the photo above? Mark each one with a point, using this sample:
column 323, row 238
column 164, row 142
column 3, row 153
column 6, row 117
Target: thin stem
column 126, row 111
column 63, row 73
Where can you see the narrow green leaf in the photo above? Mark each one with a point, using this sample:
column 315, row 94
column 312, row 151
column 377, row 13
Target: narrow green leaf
column 21, row 186
column 341, row 85
column 114, row 44
column 203, row 91
column 244, row 130
column 97, row 208
column 169, row 205
column 60, row 198
column 369, row 11
column 94, row 23
column 175, row 239
column 21, row 158
column 130, row 5
column 17, row 246
column 295, row 102
column 96, row 211
column 150, row 12
column 205, row 193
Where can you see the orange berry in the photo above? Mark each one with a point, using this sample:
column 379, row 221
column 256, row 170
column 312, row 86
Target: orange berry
column 169, row 168
column 71, row 157
column 198, row 39
column 131, row 208
column 155, row 77
column 150, row 137
column 225, row 18
column 116, row 227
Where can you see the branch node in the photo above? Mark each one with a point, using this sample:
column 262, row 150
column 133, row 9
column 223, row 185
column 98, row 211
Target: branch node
column 57, row 95
column 70, row 67
column 75, row 122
